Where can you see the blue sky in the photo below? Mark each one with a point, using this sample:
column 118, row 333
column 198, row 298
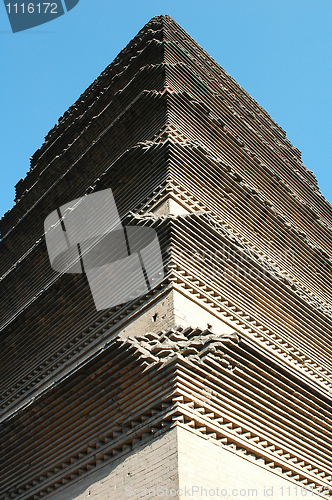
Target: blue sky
column 278, row 50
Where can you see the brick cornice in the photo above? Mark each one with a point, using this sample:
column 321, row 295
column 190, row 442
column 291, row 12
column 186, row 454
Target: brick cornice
column 186, row 358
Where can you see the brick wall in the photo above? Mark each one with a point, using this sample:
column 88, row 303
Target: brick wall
column 181, row 465
column 153, row 465
column 207, row 470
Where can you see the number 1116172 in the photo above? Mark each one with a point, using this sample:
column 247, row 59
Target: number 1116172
column 31, row 8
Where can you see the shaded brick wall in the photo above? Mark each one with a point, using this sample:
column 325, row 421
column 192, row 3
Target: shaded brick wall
column 153, row 465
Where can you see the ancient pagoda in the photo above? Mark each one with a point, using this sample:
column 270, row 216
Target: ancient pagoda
column 217, row 381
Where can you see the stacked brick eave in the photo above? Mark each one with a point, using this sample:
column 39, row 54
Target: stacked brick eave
column 139, row 387
column 251, row 247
